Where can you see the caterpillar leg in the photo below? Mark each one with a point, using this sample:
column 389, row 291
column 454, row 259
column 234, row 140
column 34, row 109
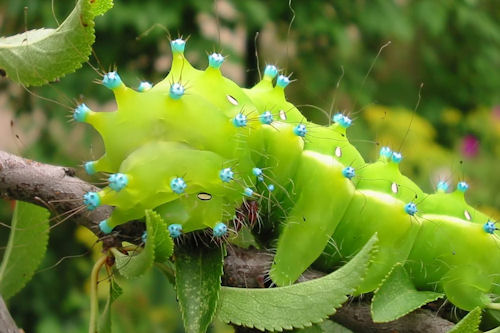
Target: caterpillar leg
column 467, row 287
column 313, row 219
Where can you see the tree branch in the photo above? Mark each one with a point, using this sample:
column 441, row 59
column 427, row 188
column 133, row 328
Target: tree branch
column 60, row 190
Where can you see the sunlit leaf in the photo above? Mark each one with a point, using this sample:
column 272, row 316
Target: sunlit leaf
column 38, row 56
column 198, row 278
column 296, row 306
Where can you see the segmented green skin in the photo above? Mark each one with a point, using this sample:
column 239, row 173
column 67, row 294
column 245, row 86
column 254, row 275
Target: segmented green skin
column 323, row 216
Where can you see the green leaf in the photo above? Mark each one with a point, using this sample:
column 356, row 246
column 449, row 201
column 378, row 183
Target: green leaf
column 38, row 56
column 198, row 273
column 299, row 305
column 397, row 296
column 244, row 239
column 164, row 245
column 136, row 263
column 469, row 324
column 25, row 249
column 115, row 291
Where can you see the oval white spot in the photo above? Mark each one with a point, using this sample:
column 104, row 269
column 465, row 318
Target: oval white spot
column 282, row 115
column 467, row 215
column 232, row 100
column 394, row 188
column 204, row 196
column 338, row 152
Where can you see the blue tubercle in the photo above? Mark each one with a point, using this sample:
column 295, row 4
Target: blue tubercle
column 282, row 81
column 176, row 91
column 342, row 120
column 118, row 181
column 489, row 227
column 442, row 186
column 215, row 60
column 396, row 157
column 270, row 71
column 300, row 130
column 105, row 228
column 266, row 118
column 226, row 175
column 220, row 229
column 385, row 152
column 178, row 45
column 144, row 86
column 144, row 236
column 411, row 208
column 257, row 171
column 270, row 187
column 112, row 80
column 240, row 120
column 348, row 172
column 178, row 185
column 175, row 230
column 248, row 192
column 81, row 112
column 462, row 187
column 91, row 200
column 89, row 167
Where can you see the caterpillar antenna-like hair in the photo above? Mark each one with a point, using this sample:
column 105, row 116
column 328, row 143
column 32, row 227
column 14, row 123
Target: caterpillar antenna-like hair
column 288, row 32
column 371, row 68
column 257, row 54
column 412, row 116
column 334, row 97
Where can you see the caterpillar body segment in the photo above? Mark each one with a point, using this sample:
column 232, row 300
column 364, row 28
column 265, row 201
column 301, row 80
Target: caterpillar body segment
column 310, row 223
column 452, row 204
column 378, row 206
column 332, row 141
column 458, row 257
column 372, row 212
column 196, row 148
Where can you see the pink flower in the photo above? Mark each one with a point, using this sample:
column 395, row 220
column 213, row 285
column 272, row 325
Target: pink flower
column 470, row 146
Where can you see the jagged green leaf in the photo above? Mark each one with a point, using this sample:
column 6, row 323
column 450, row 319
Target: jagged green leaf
column 25, row 249
column 138, row 262
column 469, row 324
column 198, row 272
column 164, row 245
column 115, row 291
column 397, row 296
column 38, row 56
column 296, row 306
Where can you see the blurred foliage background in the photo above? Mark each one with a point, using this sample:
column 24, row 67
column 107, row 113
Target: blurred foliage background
column 451, row 46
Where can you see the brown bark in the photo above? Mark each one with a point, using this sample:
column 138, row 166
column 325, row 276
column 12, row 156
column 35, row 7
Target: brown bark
column 7, row 324
column 58, row 189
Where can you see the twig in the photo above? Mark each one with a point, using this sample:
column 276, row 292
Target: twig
column 7, row 324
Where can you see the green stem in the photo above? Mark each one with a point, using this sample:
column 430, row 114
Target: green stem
column 493, row 306
column 94, row 301
column 168, row 271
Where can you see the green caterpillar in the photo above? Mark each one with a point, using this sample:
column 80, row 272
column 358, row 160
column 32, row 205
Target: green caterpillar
column 196, row 148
